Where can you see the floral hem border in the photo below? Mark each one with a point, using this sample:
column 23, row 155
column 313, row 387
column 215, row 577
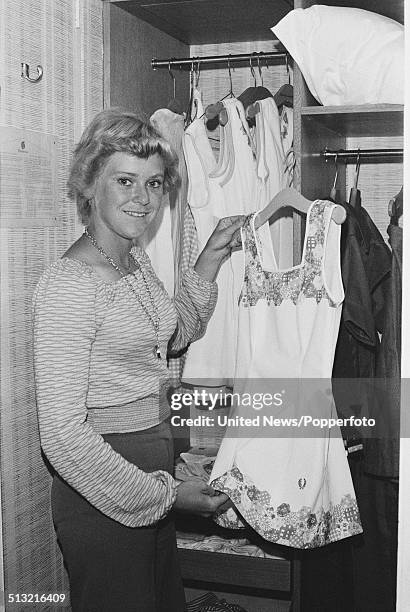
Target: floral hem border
column 302, row 528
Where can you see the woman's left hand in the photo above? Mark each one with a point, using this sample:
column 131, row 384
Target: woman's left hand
column 223, row 239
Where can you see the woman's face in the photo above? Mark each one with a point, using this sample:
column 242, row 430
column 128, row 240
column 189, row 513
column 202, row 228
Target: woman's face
column 127, row 194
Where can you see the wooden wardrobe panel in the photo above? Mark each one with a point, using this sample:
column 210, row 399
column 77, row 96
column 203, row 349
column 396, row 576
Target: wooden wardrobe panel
column 317, row 175
column 359, row 121
column 130, row 82
column 211, row 21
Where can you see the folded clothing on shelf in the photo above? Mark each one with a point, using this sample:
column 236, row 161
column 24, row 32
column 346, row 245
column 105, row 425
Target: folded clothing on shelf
column 198, row 463
column 216, row 543
column 209, row 602
column 194, row 470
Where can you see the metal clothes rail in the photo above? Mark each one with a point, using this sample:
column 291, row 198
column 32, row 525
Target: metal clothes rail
column 358, row 154
column 191, row 62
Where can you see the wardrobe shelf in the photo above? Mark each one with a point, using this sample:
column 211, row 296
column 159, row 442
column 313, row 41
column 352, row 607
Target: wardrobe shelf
column 210, row 21
column 358, row 121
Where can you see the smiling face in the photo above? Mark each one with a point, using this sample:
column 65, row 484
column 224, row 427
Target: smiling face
column 126, row 196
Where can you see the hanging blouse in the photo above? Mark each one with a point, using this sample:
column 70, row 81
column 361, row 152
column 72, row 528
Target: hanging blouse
column 296, row 491
column 217, row 189
column 163, row 238
column 272, row 172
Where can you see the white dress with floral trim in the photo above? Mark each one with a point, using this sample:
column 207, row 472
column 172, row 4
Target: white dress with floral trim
column 292, row 485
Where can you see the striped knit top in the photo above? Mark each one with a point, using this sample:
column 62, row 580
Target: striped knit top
column 96, row 372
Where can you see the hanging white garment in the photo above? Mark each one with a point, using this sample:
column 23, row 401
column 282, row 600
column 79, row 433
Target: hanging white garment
column 210, row 360
column 163, row 238
column 296, row 491
column 217, row 190
column 270, row 151
column 238, row 176
column 189, row 255
column 272, row 172
column 205, row 200
column 236, row 168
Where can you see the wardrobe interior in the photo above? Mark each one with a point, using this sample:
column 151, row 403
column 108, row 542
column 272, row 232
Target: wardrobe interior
column 156, row 30
column 135, row 33
column 69, row 37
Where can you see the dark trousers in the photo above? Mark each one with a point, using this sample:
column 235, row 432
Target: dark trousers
column 113, row 568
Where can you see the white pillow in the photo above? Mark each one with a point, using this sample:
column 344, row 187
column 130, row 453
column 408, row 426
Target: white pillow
column 347, row 55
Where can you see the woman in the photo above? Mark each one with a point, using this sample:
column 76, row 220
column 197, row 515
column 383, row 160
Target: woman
column 102, row 324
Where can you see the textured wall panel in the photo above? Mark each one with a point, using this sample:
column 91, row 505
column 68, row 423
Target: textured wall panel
column 65, row 37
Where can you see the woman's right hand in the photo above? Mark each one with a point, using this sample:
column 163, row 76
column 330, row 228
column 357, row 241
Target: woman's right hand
column 223, row 239
column 196, row 497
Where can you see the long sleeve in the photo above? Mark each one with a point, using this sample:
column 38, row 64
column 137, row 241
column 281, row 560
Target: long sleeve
column 194, row 303
column 65, row 326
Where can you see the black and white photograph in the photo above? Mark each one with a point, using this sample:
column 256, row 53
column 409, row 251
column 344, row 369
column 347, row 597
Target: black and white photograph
column 204, row 278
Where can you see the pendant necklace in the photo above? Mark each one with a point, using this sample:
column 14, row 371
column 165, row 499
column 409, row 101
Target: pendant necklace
column 154, row 320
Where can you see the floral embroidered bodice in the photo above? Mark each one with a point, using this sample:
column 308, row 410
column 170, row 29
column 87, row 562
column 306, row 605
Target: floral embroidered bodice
column 305, row 280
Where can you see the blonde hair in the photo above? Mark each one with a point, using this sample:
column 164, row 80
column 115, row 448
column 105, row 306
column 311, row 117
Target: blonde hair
column 112, row 131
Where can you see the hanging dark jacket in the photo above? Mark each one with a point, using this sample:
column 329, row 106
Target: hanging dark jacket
column 382, row 452
column 366, row 270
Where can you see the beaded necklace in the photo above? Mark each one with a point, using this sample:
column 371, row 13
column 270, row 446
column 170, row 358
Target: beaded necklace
column 154, row 320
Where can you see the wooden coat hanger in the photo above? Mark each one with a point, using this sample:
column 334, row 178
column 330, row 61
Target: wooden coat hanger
column 291, row 197
column 251, row 95
column 256, row 92
column 284, row 95
column 217, row 113
column 253, row 108
column 333, row 191
column 174, row 104
column 355, row 198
